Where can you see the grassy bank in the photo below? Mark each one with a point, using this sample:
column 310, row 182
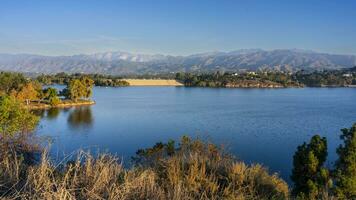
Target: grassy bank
column 153, row 82
column 191, row 170
column 63, row 104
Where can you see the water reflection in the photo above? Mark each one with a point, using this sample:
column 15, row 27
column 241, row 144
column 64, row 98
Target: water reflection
column 52, row 113
column 81, row 117
column 39, row 112
column 78, row 117
column 49, row 114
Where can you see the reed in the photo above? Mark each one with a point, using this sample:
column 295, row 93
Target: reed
column 192, row 170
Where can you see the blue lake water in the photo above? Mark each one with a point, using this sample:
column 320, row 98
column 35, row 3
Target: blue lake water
column 256, row 125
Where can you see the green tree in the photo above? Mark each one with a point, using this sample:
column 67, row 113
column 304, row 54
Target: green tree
column 76, row 90
column 11, row 81
column 50, row 93
column 14, row 117
column 45, row 79
column 311, row 180
column 88, row 84
column 345, row 166
column 180, row 76
column 79, row 88
column 54, row 101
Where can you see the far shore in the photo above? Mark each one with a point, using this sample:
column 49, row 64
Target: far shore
column 153, row 82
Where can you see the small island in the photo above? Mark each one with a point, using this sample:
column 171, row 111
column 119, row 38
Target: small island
column 34, row 96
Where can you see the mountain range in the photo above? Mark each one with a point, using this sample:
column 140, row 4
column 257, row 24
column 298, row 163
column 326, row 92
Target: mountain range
column 121, row 63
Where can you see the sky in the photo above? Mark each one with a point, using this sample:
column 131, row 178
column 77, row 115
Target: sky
column 175, row 27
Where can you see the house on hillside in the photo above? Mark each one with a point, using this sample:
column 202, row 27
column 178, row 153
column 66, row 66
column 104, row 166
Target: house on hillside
column 251, row 73
column 347, row 75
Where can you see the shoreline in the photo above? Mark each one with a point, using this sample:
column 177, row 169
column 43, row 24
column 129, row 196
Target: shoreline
column 175, row 83
column 41, row 106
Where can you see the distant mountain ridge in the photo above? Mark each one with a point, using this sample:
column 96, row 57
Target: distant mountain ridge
column 129, row 63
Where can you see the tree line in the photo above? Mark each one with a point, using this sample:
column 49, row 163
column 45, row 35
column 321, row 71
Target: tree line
column 246, row 79
column 259, row 78
column 98, row 79
column 337, row 78
column 343, row 77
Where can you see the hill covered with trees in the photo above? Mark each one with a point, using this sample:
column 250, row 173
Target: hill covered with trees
column 271, row 79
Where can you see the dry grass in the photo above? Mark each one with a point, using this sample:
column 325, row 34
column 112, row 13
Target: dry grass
column 152, row 82
column 63, row 104
column 195, row 170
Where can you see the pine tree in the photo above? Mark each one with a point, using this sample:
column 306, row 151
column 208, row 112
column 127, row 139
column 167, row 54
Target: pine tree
column 345, row 166
column 311, row 180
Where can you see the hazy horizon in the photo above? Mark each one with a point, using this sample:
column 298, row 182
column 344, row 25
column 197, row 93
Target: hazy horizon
column 175, row 27
column 192, row 54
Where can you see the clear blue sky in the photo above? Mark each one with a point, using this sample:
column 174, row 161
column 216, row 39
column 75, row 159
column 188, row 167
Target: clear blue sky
column 66, row 27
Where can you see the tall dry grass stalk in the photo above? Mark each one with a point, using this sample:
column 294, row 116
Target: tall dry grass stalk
column 194, row 170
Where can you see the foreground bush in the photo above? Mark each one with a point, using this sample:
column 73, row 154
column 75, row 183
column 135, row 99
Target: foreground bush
column 192, row 170
column 15, row 119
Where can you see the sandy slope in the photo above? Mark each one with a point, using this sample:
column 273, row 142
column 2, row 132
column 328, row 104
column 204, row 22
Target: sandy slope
column 152, row 82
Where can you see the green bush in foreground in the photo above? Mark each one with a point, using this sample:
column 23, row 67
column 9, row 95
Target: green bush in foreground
column 192, row 170
column 15, row 118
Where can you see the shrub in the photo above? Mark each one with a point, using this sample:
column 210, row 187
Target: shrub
column 193, row 170
column 15, row 118
column 54, row 101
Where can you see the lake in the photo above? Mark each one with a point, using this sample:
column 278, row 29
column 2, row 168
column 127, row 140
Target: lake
column 256, row 125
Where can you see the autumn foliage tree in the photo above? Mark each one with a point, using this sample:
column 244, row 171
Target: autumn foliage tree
column 29, row 92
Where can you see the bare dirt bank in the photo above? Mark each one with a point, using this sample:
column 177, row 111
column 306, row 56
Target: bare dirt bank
column 153, row 82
